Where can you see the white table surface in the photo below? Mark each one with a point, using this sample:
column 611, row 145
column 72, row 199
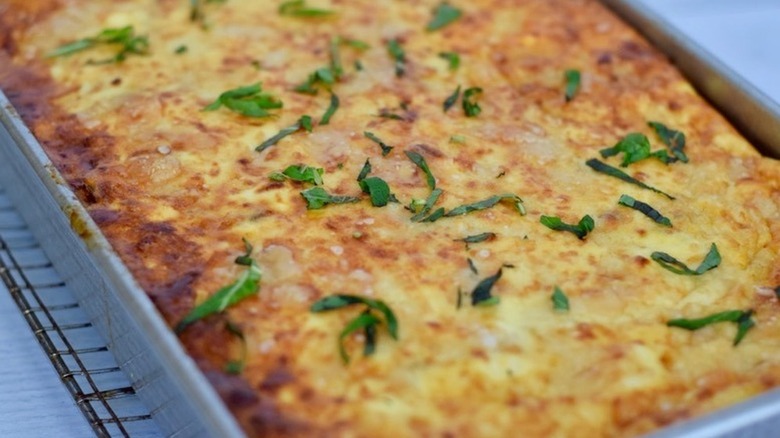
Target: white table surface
column 34, row 403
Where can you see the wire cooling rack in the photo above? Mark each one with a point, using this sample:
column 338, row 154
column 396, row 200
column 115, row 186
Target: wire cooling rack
column 79, row 354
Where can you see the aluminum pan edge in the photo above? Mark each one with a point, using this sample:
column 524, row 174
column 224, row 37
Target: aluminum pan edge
column 753, row 113
column 757, row 117
column 166, row 379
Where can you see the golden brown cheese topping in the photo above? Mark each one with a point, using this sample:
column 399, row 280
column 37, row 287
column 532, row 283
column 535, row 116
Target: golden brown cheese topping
column 175, row 188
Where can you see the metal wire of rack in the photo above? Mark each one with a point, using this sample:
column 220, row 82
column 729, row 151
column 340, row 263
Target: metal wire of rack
column 79, row 355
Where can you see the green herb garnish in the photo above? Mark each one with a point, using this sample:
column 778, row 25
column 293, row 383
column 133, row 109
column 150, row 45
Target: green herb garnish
column 377, row 189
column 472, row 266
column 429, row 203
column 674, row 140
column 457, row 138
column 477, row 238
column 606, row 169
column 236, row 366
column 635, row 147
column 572, row 83
column 645, row 209
column 303, row 123
column 741, row 317
column 583, row 227
column 123, row 37
column 399, row 56
column 334, row 105
column 711, row 261
column 451, row 100
column 181, row 49
column 298, row 8
column 436, row 215
column 248, row 284
column 364, row 171
column 385, row 148
column 560, row 300
column 317, row 197
column 300, row 173
column 488, row 203
column 248, row 100
column 452, row 58
column 367, row 320
column 481, row 295
column 443, row 15
column 419, row 160
column 470, row 106
column 322, row 75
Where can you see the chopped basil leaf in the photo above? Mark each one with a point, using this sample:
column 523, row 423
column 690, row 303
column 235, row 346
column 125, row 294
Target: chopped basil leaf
column 583, row 227
column 481, row 295
column 248, row 100
column 451, row 100
column 560, row 300
column 246, row 259
column 645, row 209
column 470, row 105
column 317, row 197
column 123, row 37
column 248, row 284
column 334, row 105
column 323, row 75
column 744, row 323
column 674, row 140
column 236, row 366
column 419, row 160
column 488, row 203
column 399, row 56
column 572, row 83
column 443, row 15
column 377, row 189
column 635, row 147
column 181, row 49
column 477, row 238
column 429, row 203
column 385, row 148
column 364, row 171
column 358, row 65
column 452, row 58
column 297, row 8
column 436, row 215
column 711, row 261
column 284, row 133
column 472, row 266
column 459, row 139
column 606, row 169
column 300, row 173
column 338, row 301
column 365, row 320
column 305, row 122
column 741, row 318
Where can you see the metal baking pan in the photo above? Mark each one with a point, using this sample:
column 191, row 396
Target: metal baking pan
column 168, row 381
column 165, row 378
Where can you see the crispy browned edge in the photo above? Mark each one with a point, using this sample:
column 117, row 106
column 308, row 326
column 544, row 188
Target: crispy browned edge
column 76, row 150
